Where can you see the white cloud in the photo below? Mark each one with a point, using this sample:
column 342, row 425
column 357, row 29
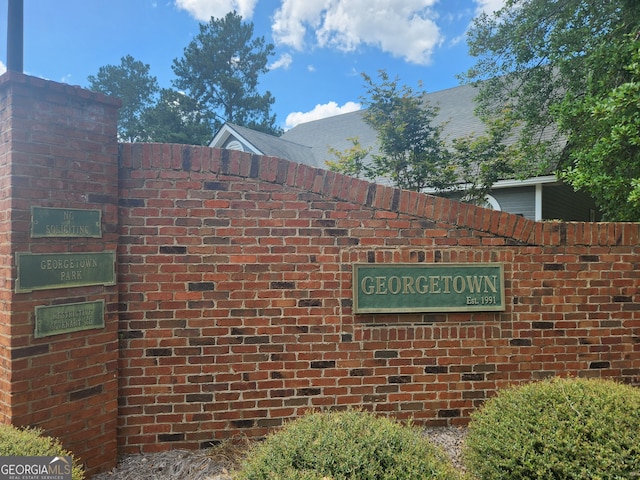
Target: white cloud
column 489, row 6
column 203, row 10
column 289, row 21
column 3, row 68
column 404, row 29
column 284, row 61
column 320, row 111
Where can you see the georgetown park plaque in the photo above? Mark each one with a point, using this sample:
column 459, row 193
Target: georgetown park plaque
column 45, row 271
column 437, row 287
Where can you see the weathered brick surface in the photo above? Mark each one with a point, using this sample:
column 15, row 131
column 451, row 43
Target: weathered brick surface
column 58, row 148
column 235, row 299
column 233, row 309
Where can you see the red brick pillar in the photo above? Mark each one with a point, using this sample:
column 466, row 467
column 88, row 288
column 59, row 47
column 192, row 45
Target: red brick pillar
column 58, row 232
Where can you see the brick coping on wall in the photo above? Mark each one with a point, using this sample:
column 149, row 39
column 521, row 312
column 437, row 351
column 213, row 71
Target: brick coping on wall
column 510, row 228
column 73, row 91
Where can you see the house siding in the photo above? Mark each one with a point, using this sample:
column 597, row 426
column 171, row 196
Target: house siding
column 562, row 202
column 519, row 201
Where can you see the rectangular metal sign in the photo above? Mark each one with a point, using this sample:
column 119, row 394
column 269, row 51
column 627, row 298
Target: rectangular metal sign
column 65, row 222
column 70, row 317
column 436, row 287
column 45, row 271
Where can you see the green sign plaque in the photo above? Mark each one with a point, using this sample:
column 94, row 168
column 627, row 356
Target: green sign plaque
column 71, row 317
column 45, row 271
column 436, row 287
column 65, row 222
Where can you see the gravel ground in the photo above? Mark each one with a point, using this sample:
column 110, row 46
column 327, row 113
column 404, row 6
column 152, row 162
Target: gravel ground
column 216, row 464
column 450, row 439
column 170, row 465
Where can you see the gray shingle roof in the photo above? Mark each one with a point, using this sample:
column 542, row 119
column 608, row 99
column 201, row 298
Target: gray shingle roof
column 275, row 146
column 310, row 142
column 332, row 132
column 455, row 105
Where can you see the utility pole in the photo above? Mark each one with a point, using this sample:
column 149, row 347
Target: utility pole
column 15, row 34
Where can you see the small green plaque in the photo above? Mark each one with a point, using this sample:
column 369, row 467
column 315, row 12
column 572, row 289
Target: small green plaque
column 71, row 317
column 65, row 222
column 45, row 271
column 437, row 287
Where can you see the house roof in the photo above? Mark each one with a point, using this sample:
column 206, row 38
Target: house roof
column 310, row 143
column 333, row 132
column 456, row 106
column 262, row 144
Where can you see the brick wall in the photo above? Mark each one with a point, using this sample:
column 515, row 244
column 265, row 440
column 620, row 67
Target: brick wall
column 6, row 258
column 58, row 148
column 233, row 307
column 236, row 310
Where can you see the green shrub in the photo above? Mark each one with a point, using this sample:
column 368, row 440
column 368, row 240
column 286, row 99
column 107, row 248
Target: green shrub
column 26, row 442
column 350, row 445
column 557, row 429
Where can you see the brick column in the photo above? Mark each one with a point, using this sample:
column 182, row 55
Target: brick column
column 58, row 371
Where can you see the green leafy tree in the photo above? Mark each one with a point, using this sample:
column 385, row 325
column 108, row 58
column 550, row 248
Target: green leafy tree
column 605, row 159
column 177, row 118
column 482, row 160
column 133, row 84
column 548, row 63
column 352, row 161
column 412, row 154
column 220, row 69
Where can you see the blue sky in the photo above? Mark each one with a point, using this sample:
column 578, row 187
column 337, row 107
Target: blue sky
column 322, row 46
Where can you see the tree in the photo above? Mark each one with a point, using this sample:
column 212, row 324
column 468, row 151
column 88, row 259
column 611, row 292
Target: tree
column 220, row 69
column 412, row 153
column 606, row 151
column 352, row 161
column 482, row 160
column 548, row 63
column 131, row 82
column 177, row 118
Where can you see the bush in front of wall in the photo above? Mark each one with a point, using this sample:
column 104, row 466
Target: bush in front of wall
column 28, row 442
column 351, row 444
column 557, row 428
